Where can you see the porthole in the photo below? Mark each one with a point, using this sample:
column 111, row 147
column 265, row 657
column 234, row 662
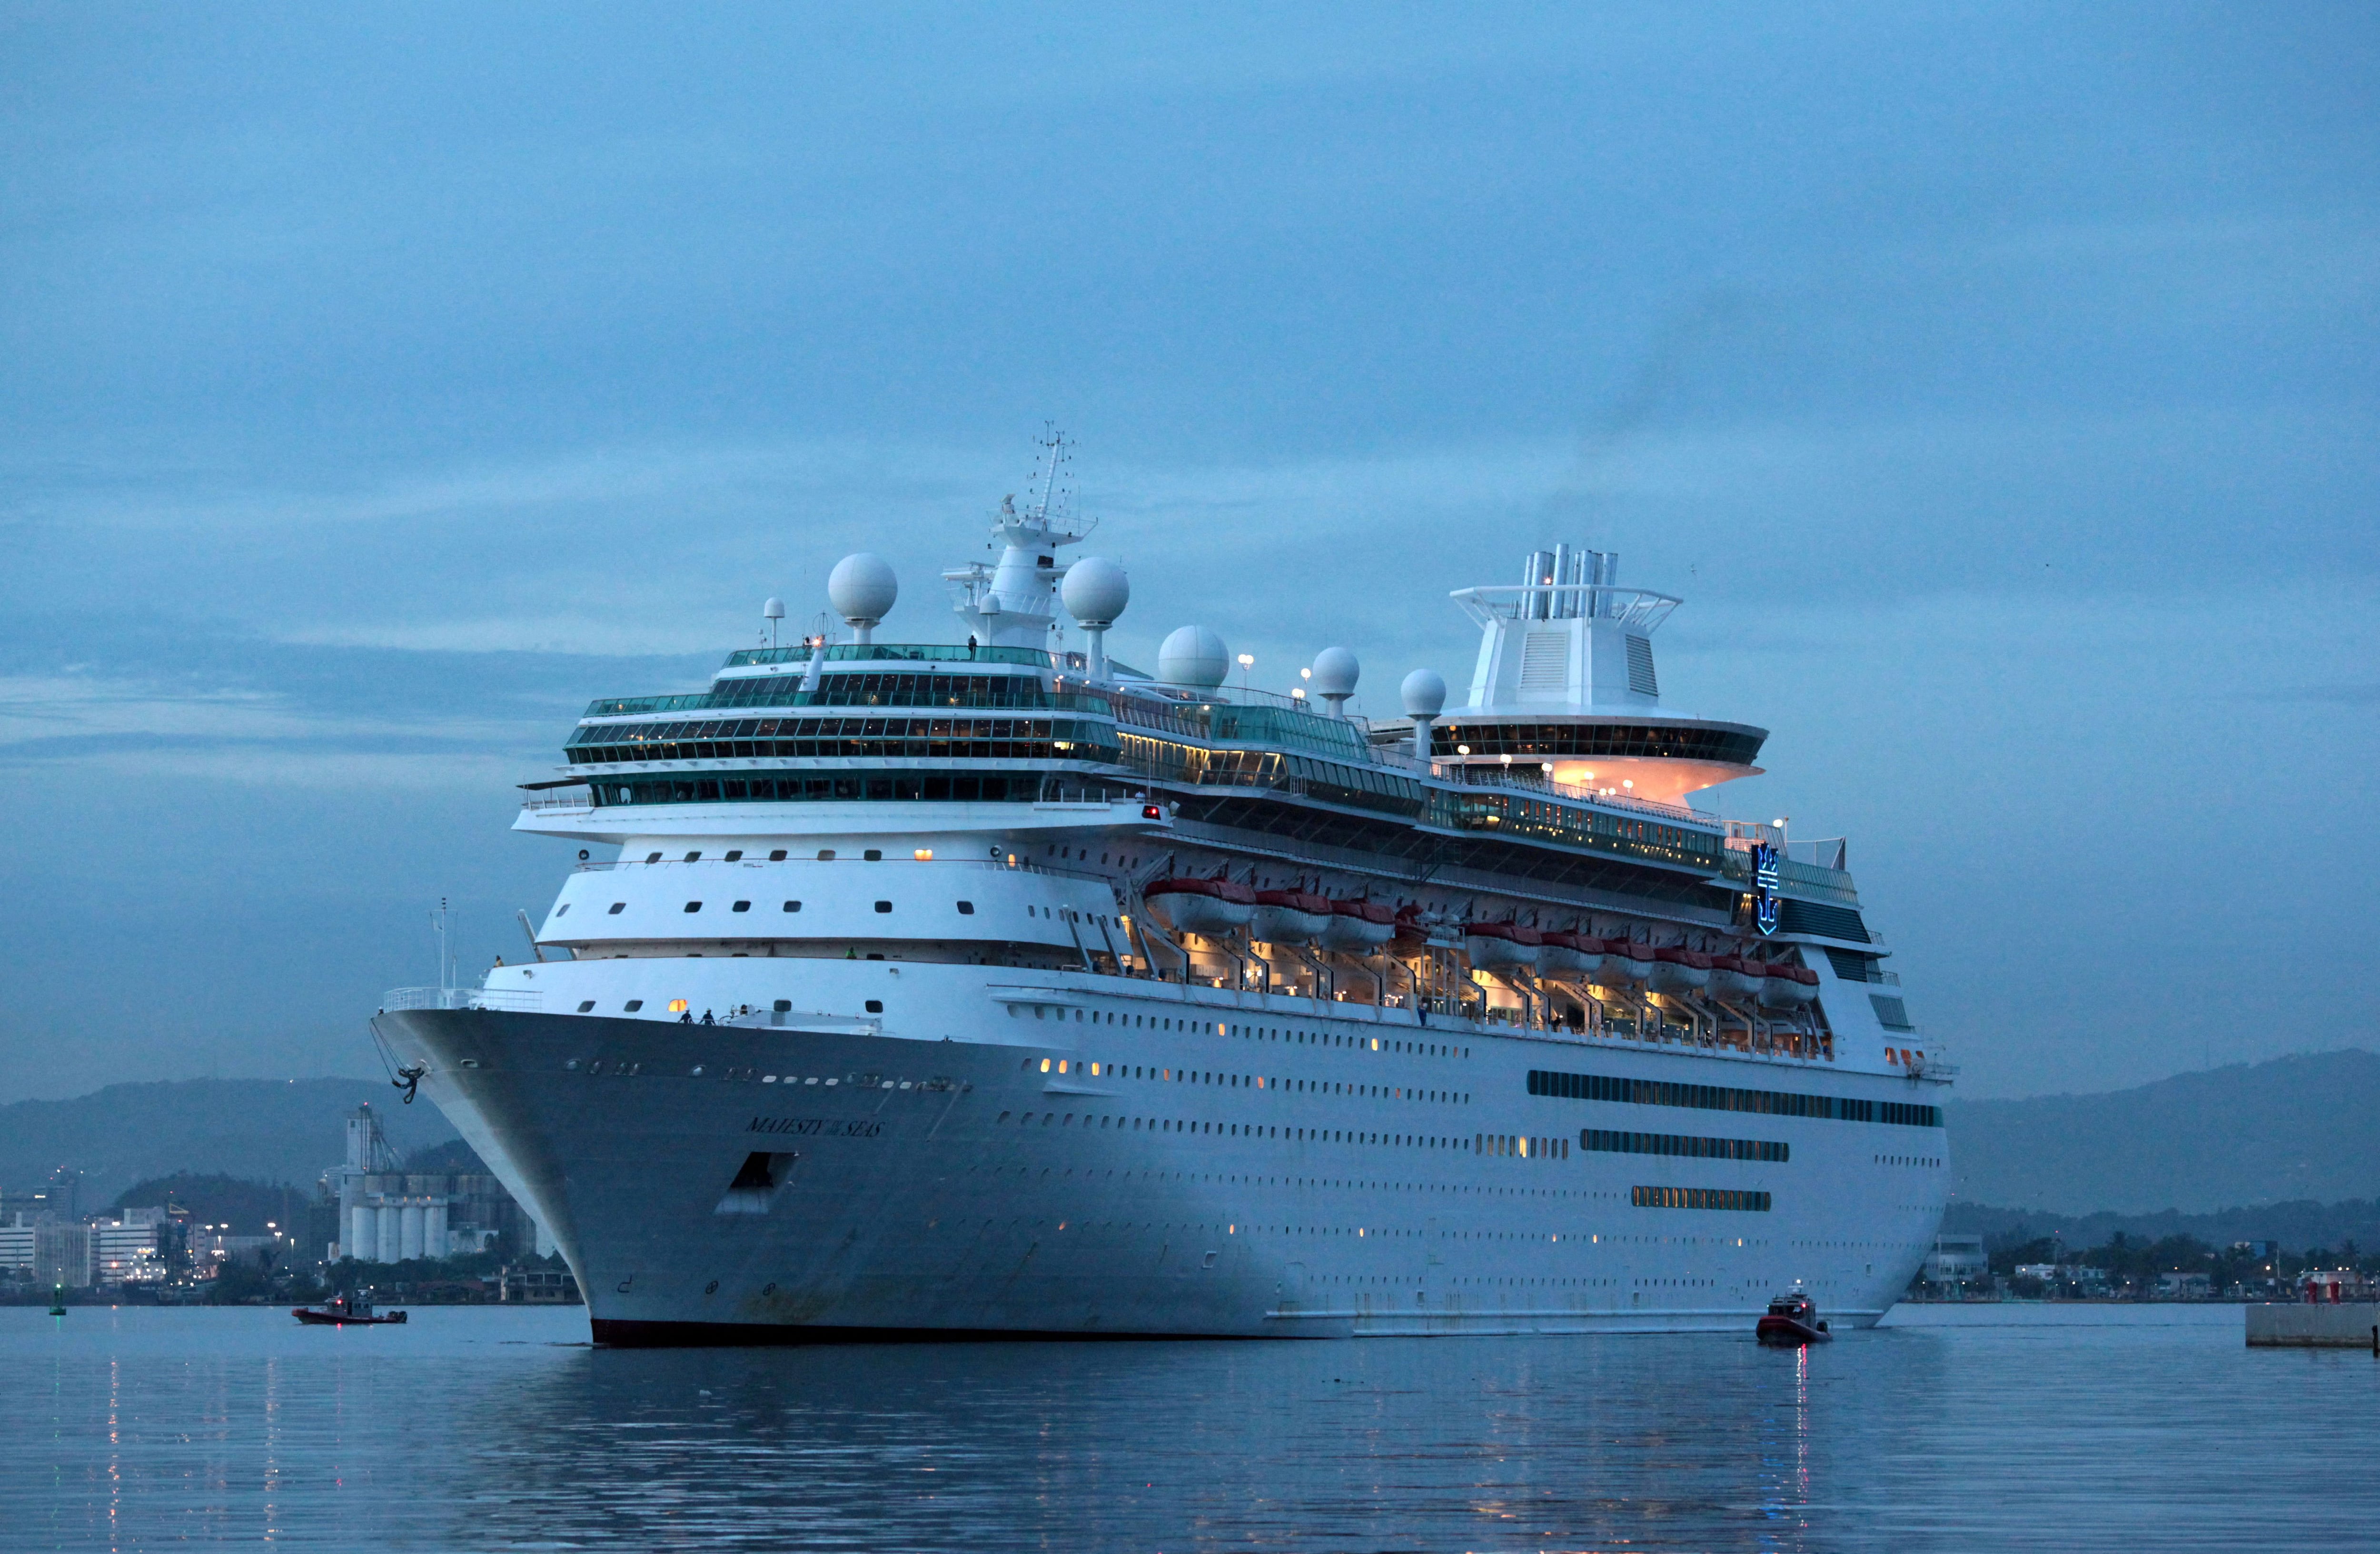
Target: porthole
column 634, row 1004
column 742, row 906
column 792, row 907
column 966, row 909
column 617, row 907
column 694, row 906
column 711, row 1288
column 884, row 906
column 875, row 1006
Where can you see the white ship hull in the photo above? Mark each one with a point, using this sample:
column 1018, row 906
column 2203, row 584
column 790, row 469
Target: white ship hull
column 1238, row 1165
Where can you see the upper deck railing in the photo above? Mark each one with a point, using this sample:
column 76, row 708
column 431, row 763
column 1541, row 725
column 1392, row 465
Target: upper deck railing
column 895, row 652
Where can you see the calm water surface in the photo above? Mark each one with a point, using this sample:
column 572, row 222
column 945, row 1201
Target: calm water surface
column 478, row 1428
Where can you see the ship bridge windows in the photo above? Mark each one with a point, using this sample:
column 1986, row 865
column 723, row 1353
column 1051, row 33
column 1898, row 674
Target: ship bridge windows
column 973, row 738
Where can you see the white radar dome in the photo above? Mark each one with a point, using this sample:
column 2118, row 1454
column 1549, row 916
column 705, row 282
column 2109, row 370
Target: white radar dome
column 773, row 611
column 1335, row 673
column 1424, row 694
column 862, row 589
column 1094, row 592
column 1194, row 656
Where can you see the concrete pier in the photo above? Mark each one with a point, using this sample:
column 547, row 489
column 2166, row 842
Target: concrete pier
column 2347, row 1325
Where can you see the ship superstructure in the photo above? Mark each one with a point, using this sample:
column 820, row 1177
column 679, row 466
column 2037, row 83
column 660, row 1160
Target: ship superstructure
column 986, row 987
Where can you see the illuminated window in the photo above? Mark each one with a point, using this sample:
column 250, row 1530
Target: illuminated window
column 677, row 1006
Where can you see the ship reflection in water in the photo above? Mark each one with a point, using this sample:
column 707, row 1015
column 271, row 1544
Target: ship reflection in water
column 481, row 1429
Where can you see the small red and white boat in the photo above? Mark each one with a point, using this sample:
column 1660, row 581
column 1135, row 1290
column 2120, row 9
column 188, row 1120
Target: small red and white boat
column 1493, row 945
column 1569, row 954
column 1289, row 917
column 1788, row 987
column 1626, row 961
column 1733, row 979
column 1359, row 925
column 1791, row 1321
column 1208, row 907
column 1679, row 970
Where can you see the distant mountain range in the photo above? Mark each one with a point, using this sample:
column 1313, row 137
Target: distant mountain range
column 2295, row 1130
column 264, row 1130
column 2299, row 1128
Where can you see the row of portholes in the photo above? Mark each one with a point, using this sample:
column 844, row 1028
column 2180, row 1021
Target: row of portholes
column 735, row 854
column 966, row 908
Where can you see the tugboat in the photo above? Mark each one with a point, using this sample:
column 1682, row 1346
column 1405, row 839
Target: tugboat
column 1793, row 1320
column 345, row 1310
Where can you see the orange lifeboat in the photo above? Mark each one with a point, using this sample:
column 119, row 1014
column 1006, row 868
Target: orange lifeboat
column 1788, row 987
column 1490, row 945
column 1625, row 962
column 1569, row 954
column 1359, row 926
column 1289, row 917
column 1734, row 980
column 1677, row 969
column 1210, row 906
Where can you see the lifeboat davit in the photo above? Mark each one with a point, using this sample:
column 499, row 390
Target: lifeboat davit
column 1733, row 979
column 1679, row 970
column 1212, row 906
column 1289, row 917
column 1359, row 926
column 1569, row 954
column 1626, row 961
column 1494, row 944
column 1788, row 987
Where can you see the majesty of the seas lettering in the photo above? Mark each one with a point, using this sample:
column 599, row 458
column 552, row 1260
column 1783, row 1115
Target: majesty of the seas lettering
column 815, row 1127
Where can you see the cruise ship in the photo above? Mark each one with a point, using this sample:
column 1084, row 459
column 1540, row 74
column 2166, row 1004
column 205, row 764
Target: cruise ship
column 991, row 988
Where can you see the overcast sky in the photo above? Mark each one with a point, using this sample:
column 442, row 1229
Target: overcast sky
column 1998, row 385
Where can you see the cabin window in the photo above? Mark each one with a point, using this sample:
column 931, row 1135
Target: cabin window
column 652, row 857
column 632, row 1005
column 875, row 1006
column 884, row 906
column 777, row 857
column 873, row 855
column 585, row 1004
column 966, row 909
column 692, row 856
column 617, row 907
column 734, row 855
column 742, row 906
column 563, row 910
column 785, row 1005
column 792, row 907
column 694, row 906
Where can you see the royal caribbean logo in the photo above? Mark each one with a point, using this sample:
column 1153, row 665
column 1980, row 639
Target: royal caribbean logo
column 1765, row 885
